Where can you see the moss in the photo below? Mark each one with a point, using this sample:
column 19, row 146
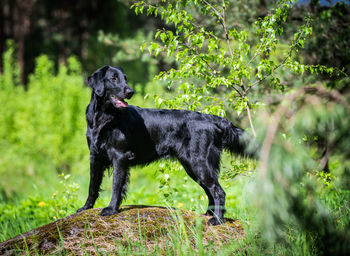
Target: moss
column 152, row 226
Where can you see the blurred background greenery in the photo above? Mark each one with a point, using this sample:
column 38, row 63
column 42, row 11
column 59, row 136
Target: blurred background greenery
column 47, row 50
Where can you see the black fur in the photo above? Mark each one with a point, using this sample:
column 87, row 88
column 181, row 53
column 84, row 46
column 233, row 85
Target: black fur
column 123, row 136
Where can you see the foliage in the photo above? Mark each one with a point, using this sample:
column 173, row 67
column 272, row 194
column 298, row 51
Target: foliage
column 332, row 32
column 41, row 128
column 60, row 30
column 126, row 53
column 218, row 66
column 297, row 193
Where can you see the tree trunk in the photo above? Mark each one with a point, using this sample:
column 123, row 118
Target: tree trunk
column 21, row 27
column 2, row 35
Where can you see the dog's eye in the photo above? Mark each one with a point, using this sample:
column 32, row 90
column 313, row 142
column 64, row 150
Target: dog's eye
column 115, row 78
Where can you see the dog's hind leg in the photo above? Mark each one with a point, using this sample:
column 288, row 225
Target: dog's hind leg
column 218, row 209
column 216, row 195
column 190, row 173
column 207, row 177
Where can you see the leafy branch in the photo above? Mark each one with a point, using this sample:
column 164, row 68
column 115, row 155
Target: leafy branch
column 221, row 60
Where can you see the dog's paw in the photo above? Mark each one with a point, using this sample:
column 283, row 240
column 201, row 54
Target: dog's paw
column 108, row 211
column 83, row 208
column 215, row 221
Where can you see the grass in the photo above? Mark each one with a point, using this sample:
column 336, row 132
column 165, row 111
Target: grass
column 147, row 187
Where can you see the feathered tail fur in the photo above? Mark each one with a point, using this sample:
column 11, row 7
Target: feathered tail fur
column 238, row 142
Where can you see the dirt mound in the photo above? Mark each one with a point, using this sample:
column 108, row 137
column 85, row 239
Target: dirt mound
column 146, row 227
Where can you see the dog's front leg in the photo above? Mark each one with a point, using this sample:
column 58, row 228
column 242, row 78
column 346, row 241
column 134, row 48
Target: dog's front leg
column 97, row 167
column 120, row 181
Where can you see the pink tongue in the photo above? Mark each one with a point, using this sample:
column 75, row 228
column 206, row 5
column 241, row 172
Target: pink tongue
column 122, row 103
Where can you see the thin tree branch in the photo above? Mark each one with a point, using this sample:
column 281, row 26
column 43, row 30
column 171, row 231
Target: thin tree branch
column 258, row 51
column 250, row 120
column 213, row 8
column 225, row 28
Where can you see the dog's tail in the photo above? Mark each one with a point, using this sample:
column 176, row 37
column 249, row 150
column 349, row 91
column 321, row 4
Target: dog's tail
column 237, row 141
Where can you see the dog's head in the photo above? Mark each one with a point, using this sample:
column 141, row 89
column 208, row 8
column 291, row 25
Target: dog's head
column 110, row 83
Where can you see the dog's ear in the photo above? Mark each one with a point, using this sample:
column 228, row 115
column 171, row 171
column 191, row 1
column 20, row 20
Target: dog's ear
column 96, row 81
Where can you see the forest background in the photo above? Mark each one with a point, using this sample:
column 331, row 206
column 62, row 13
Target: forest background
column 48, row 48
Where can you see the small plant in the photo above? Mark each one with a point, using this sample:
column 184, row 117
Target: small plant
column 164, row 174
column 65, row 201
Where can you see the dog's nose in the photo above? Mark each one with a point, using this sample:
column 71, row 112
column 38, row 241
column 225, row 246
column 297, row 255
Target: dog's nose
column 129, row 93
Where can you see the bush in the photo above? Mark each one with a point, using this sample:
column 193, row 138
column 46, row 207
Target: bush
column 41, row 128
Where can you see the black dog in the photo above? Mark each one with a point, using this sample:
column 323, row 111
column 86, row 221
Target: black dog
column 123, row 136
